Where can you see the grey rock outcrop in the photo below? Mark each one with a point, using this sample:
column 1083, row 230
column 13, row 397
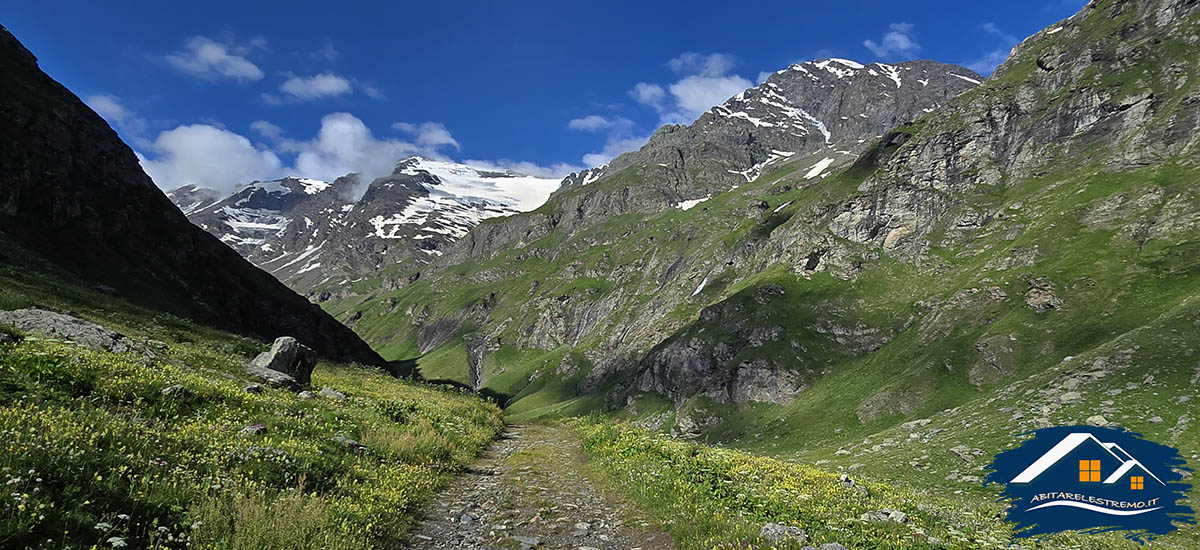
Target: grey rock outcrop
column 288, row 364
column 72, row 329
column 783, row 534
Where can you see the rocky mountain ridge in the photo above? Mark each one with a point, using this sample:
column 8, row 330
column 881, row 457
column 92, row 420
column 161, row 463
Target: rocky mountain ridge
column 308, row 232
column 929, row 266
column 75, row 198
column 821, row 114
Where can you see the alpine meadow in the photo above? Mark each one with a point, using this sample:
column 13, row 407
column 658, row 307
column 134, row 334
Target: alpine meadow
column 889, row 303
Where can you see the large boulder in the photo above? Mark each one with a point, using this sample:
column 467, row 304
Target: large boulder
column 289, row 364
column 83, row 333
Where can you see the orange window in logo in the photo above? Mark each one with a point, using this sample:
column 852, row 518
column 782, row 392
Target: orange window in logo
column 1136, row 482
column 1089, row 471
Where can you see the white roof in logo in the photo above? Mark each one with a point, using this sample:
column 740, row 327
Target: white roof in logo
column 1068, row 444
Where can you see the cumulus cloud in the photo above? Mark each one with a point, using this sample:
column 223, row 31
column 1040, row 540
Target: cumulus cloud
column 557, row 170
column 345, row 145
column 208, row 59
column 317, row 86
column 619, row 136
column 266, row 129
column 705, row 82
column 372, row 92
column 596, row 123
column 897, row 42
column 614, row 146
column 116, row 113
column 648, row 94
column 692, row 63
column 207, row 156
column 696, row 94
column 428, row 134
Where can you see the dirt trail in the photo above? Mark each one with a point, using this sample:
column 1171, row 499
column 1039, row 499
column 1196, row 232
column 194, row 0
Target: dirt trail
column 532, row 489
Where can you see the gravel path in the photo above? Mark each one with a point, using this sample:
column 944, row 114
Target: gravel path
column 532, row 490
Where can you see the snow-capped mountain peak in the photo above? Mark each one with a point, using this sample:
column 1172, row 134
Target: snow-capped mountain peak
column 308, row 231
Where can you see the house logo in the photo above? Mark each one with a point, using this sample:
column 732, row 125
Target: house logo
column 1091, row 479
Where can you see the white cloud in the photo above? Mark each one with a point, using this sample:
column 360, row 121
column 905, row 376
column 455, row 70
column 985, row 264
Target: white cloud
column 696, row 94
column 706, row 82
column 558, row 170
column 596, row 123
column 317, row 86
column 114, row 111
column 619, row 138
column 897, row 42
column 429, row 134
column 763, row 76
column 613, row 147
column 211, row 60
column 648, row 94
column 345, row 145
column 372, row 92
column 692, row 63
column 266, row 129
column 207, row 156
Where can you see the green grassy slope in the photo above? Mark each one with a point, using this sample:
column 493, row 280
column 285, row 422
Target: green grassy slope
column 104, row 450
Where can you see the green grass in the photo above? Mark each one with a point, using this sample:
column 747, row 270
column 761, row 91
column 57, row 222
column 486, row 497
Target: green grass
column 718, row 498
column 95, row 454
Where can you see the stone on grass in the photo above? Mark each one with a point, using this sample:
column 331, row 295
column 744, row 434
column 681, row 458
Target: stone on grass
column 350, row 444
column 784, row 534
column 330, row 393
column 287, row 357
column 526, row 542
column 1070, row 397
column 72, row 329
column 254, row 429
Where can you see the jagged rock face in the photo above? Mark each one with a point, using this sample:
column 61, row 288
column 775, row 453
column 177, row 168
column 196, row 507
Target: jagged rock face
column 829, row 110
column 74, row 194
column 1056, row 104
column 832, row 104
column 308, row 232
column 966, row 246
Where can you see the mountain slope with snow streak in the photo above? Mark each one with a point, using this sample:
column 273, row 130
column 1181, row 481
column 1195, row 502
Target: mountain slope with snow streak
column 308, row 232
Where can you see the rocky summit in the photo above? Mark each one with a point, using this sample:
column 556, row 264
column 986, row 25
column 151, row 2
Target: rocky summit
column 834, row 223
column 308, row 232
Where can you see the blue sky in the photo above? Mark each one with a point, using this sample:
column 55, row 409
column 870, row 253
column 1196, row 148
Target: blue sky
column 220, row 92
